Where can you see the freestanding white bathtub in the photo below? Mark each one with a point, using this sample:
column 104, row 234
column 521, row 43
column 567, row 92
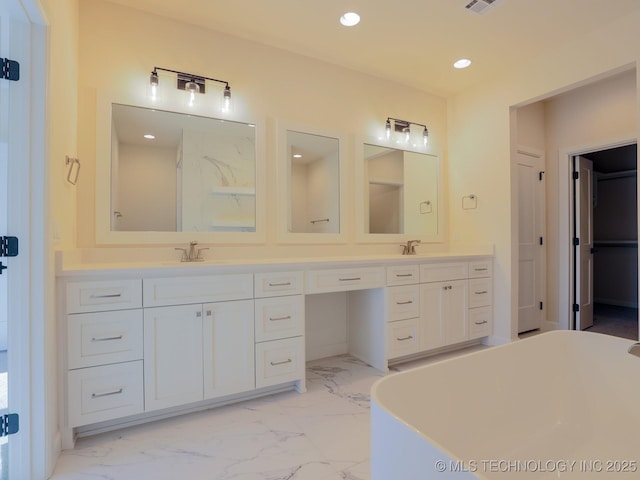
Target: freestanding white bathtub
column 562, row 404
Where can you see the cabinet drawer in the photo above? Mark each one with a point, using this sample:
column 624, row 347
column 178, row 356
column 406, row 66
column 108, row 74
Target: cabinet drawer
column 480, row 269
column 480, row 294
column 277, row 284
column 403, row 338
column 439, row 272
column 105, row 337
column 102, row 393
column 279, row 317
column 480, row 322
column 103, row 295
column 404, row 302
column 404, row 275
column 342, row 280
column 279, row 361
column 160, row 292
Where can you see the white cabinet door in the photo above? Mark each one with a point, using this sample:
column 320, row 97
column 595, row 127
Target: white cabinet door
column 228, row 348
column 172, row 356
column 456, row 328
column 431, row 325
column 443, row 319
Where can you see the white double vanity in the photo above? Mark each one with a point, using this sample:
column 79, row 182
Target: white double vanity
column 146, row 341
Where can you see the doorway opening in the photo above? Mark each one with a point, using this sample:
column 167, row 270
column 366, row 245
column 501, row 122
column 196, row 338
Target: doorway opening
column 605, row 266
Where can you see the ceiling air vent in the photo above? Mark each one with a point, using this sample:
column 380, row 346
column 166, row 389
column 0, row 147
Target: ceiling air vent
column 481, row 6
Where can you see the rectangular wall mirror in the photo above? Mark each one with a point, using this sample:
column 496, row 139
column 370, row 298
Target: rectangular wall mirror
column 310, row 179
column 399, row 194
column 169, row 172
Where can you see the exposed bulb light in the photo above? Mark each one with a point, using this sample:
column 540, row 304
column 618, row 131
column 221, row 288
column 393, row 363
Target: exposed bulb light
column 462, row 63
column 350, row 19
column 297, row 155
column 154, row 81
column 387, row 128
column 149, row 136
column 425, row 136
column 407, row 134
column 226, row 99
column 192, row 88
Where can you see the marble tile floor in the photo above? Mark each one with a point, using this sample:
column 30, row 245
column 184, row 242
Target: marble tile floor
column 320, row 435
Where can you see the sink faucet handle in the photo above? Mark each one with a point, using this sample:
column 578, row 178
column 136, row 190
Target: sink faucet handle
column 200, row 257
column 184, row 256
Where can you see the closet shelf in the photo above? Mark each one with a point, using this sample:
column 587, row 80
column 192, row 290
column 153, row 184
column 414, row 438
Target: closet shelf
column 247, row 191
column 616, row 243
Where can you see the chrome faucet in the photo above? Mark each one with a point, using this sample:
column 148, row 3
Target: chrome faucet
column 635, row 349
column 410, row 247
column 194, row 254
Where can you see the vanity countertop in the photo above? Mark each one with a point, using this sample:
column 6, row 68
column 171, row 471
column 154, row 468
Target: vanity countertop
column 69, row 266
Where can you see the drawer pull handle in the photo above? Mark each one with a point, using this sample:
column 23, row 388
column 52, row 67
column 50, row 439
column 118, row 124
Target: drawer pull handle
column 283, row 284
column 288, row 360
column 107, row 394
column 277, row 319
column 408, row 302
column 400, row 275
column 350, row 279
column 106, row 339
column 481, row 269
column 409, row 337
column 109, row 295
column 483, row 292
column 481, row 323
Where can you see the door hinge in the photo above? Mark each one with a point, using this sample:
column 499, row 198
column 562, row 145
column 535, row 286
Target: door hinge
column 540, row 174
column 576, row 175
column 9, row 69
column 541, row 306
column 541, row 241
column 9, row 424
column 8, row 246
column 576, row 241
column 576, row 307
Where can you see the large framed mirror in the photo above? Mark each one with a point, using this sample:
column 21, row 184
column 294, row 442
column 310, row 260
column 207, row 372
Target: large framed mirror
column 170, row 176
column 399, row 195
column 311, row 184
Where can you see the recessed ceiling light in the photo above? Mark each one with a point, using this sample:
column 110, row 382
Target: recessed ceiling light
column 350, row 19
column 462, row 63
column 297, row 155
column 148, row 136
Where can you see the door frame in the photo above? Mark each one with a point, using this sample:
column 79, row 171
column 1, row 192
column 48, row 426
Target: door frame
column 565, row 317
column 31, row 454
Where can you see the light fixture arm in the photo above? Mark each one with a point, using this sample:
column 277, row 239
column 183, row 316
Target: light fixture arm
column 154, row 74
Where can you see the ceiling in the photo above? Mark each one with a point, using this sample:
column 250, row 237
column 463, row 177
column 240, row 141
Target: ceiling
column 413, row 42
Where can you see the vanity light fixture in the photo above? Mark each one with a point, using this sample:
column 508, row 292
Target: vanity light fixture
column 192, row 84
column 149, row 136
column 297, row 155
column 403, row 127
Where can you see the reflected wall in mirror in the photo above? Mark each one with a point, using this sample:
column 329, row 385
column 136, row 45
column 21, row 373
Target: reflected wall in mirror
column 177, row 172
column 314, row 178
column 401, row 192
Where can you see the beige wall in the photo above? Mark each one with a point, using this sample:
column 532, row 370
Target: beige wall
column 481, row 129
column 120, row 46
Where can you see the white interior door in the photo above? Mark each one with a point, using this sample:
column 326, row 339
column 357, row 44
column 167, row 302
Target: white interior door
column 531, row 240
column 584, row 232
